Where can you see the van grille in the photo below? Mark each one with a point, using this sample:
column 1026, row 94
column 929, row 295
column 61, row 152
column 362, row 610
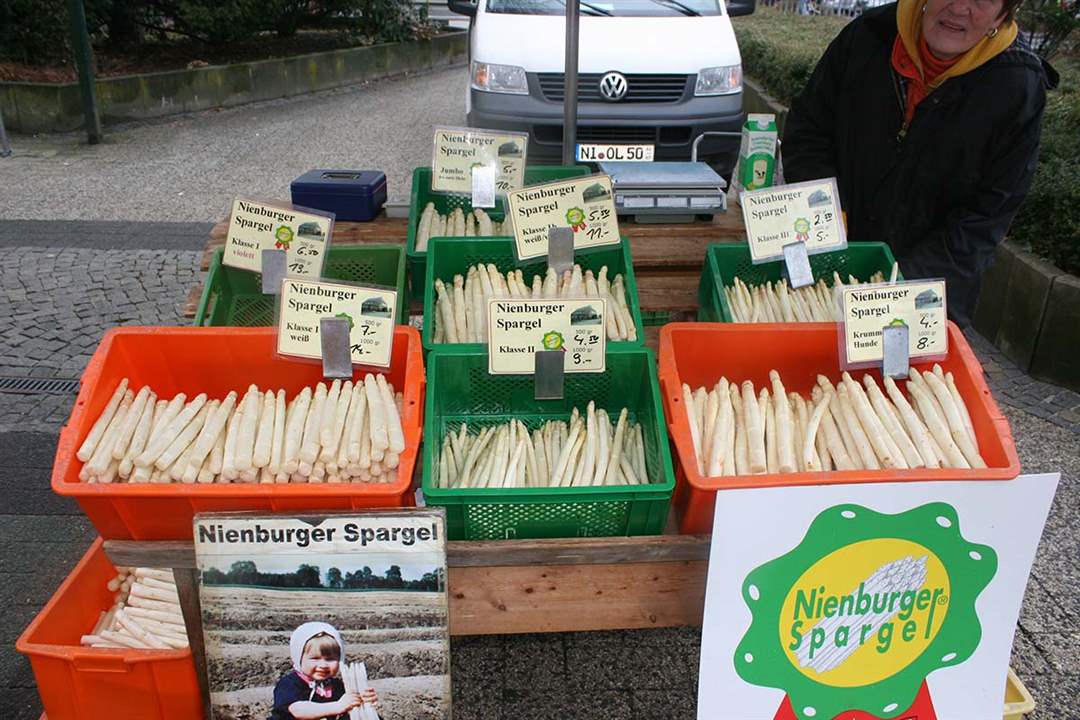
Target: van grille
column 553, row 135
column 640, row 88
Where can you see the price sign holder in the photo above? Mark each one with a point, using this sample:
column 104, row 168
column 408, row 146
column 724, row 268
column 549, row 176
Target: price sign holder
column 483, row 187
column 548, row 382
column 561, row 249
column 273, row 270
column 895, row 359
column 336, row 353
column 797, row 265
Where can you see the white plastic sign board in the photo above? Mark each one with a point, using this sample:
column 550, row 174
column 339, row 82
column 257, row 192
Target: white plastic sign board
column 518, row 329
column 807, row 212
column 457, row 151
column 867, row 309
column 370, row 312
column 586, row 205
column 841, row 598
column 254, row 226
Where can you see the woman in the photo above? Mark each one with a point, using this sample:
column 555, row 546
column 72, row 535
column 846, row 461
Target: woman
column 927, row 112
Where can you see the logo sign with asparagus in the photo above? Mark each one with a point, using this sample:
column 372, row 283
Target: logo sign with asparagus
column 859, row 613
column 254, row 226
column 370, row 313
column 519, row 328
column 866, row 309
column 459, row 150
column 585, row 205
column 807, row 212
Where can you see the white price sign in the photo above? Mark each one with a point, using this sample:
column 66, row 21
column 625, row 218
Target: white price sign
column 807, row 212
column 518, row 329
column 867, row 309
column 256, row 226
column 585, row 205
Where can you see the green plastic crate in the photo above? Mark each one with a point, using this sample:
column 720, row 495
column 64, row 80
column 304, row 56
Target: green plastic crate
column 233, row 297
column 460, row 389
column 454, row 256
column 422, row 194
column 726, row 261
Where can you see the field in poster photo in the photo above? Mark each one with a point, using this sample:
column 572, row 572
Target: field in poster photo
column 400, row 635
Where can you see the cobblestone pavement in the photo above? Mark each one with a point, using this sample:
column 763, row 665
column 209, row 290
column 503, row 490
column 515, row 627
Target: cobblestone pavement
column 63, row 298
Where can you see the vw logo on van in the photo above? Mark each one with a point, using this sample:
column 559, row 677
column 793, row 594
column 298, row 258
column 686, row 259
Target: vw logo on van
column 613, row 86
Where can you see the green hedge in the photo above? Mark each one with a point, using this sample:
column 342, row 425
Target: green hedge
column 1048, row 221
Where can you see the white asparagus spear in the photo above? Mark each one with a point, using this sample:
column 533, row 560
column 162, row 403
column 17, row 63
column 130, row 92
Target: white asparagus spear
column 742, row 460
column 334, row 420
column 884, row 449
column 131, row 421
column 887, row 415
column 755, row 430
column 955, row 421
column 718, row 446
column 102, row 456
column 916, row 430
column 309, row 445
column 950, row 382
column 812, row 429
column 182, row 442
column 376, row 407
column 86, row 450
column 249, row 424
column 850, row 418
column 395, row 436
column 264, row 432
column 616, row 453
column 169, row 433
column 294, row 431
column 937, row 426
column 277, row 442
column 228, row 449
column 785, row 444
column 695, row 429
column 358, row 429
column 153, row 408
column 771, row 458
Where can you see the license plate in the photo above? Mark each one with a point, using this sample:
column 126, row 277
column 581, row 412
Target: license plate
column 588, row 152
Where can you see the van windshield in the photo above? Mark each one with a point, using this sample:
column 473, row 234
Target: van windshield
column 612, row 8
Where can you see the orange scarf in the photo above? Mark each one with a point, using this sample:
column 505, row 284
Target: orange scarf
column 919, row 83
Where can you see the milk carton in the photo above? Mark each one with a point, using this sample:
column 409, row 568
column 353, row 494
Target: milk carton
column 757, row 151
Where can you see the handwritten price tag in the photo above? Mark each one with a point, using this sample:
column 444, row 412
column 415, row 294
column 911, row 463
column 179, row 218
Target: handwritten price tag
column 867, row 309
column 459, row 150
column 807, row 212
column 518, row 329
column 585, row 205
column 256, row 226
column 370, row 313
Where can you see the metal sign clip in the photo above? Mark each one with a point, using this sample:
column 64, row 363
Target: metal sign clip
column 550, row 374
column 797, row 264
column 336, row 353
column 895, row 351
column 273, row 270
column 561, row 249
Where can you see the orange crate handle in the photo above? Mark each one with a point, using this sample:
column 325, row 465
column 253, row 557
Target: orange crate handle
column 100, row 662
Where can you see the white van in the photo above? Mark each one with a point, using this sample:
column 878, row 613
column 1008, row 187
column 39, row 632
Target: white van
column 656, row 72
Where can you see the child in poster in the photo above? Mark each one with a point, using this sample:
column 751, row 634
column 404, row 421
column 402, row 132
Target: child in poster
column 313, row 689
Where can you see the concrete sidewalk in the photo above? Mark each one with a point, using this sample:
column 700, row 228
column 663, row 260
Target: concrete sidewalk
column 189, row 168
column 62, row 297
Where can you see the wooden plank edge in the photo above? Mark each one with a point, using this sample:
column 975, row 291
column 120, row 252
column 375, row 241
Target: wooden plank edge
column 493, row 553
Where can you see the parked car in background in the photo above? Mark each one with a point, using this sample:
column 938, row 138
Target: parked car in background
column 657, row 72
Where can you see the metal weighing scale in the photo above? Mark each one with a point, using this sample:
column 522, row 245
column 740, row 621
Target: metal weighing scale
column 666, row 192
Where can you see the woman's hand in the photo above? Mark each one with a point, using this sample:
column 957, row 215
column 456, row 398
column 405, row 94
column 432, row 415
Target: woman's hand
column 371, row 697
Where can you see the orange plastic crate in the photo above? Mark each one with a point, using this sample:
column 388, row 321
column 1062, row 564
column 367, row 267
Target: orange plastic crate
column 700, row 353
column 215, row 361
column 82, row 683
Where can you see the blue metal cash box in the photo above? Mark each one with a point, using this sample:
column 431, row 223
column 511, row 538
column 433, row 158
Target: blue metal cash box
column 355, row 195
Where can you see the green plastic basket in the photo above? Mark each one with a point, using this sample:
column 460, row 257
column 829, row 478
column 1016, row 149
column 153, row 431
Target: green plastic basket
column 233, row 297
column 460, row 389
column 422, row 194
column 454, row 256
column 726, row 261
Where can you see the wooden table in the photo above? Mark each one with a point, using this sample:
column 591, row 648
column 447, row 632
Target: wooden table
column 667, row 257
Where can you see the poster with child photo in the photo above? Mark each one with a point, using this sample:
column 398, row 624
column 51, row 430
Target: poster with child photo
column 340, row 617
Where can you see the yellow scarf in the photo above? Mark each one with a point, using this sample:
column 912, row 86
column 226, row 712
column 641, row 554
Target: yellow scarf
column 909, row 17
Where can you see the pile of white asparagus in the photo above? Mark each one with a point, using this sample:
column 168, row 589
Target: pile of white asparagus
column 340, row 433
column 737, row 431
column 589, row 450
column 457, row 224
column 777, row 302
column 461, row 307
column 354, row 677
column 145, row 614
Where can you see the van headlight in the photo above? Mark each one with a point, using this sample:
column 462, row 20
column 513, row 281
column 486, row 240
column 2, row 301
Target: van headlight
column 723, row 80
column 490, row 77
